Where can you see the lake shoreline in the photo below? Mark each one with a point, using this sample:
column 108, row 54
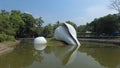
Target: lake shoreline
column 109, row 41
column 112, row 41
column 7, row 47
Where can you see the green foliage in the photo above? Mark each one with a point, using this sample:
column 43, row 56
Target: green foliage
column 17, row 24
column 4, row 37
column 81, row 29
column 58, row 23
column 10, row 38
column 48, row 30
column 72, row 23
column 105, row 25
column 16, row 20
column 5, row 26
column 38, row 25
column 39, row 22
column 29, row 25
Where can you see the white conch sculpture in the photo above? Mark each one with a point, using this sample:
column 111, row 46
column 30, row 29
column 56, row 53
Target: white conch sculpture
column 66, row 33
column 40, row 43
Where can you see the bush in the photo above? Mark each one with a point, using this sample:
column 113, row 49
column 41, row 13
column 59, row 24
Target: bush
column 4, row 37
column 10, row 38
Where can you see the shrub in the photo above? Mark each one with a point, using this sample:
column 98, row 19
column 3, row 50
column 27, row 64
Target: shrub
column 4, row 37
column 10, row 38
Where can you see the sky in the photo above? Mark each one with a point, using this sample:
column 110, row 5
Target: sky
column 78, row 11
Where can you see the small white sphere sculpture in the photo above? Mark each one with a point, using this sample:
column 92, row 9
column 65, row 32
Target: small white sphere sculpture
column 39, row 43
column 40, row 40
column 39, row 46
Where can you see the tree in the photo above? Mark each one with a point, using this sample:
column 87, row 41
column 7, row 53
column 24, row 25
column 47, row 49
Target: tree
column 39, row 22
column 6, row 31
column 115, row 4
column 38, row 25
column 58, row 23
column 16, row 21
column 28, row 29
column 73, row 24
column 105, row 25
column 81, row 28
column 48, row 30
column 5, row 23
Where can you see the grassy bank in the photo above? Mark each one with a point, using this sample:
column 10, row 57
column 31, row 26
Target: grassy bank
column 53, row 42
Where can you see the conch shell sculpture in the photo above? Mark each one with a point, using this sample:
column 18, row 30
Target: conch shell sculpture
column 66, row 33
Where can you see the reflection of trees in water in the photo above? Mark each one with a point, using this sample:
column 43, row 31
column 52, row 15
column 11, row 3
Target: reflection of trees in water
column 108, row 57
column 49, row 49
column 22, row 56
column 38, row 56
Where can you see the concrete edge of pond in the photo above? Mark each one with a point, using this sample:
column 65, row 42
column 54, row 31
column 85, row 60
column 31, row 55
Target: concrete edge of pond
column 114, row 41
column 8, row 47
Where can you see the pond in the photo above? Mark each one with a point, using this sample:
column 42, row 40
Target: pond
column 26, row 56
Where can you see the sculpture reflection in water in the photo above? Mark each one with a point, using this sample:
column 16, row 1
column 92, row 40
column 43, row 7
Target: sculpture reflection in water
column 39, row 46
column 39, row 51
column 66, row 54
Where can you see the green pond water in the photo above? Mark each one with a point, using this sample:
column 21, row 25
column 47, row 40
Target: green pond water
column 25, row 55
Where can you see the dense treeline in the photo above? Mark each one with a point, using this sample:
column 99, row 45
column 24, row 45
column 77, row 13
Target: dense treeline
column 105, row 26
column 15, row 24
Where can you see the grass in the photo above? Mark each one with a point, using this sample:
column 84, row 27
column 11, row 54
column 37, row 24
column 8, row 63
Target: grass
column 53, row 42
